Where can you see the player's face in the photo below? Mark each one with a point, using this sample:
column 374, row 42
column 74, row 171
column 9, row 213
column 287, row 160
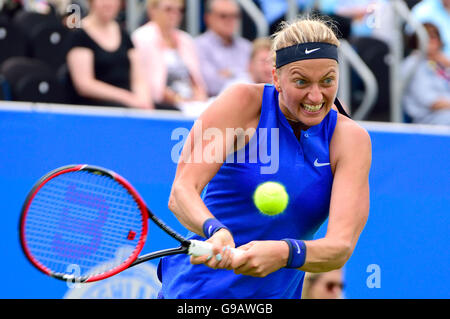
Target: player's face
column 307, row 89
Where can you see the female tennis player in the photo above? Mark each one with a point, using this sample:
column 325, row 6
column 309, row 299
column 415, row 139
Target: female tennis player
column 323, row 159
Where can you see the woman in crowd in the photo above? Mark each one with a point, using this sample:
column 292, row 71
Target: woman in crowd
column 102, row 62
column 169, row 56
column 427, row 97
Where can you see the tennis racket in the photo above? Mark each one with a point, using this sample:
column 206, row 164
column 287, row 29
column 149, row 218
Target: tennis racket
column 85, row 223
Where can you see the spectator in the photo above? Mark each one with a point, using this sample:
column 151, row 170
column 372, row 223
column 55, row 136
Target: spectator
column 327, row 285
column 102, row 62
column 224, row 55
column 260, row 65
column 427, row 97
column 438, row 13
column 169, row 56
column 261, row 61
column 259, row 71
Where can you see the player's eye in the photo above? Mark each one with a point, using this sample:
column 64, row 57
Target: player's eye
column 300, row 82
column 328, row 81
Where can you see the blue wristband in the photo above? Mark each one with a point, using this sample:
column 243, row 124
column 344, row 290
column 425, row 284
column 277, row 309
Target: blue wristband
column 297, row 253
column 211, row 226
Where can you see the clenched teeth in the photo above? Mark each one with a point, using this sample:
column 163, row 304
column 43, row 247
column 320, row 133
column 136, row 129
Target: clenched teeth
column 312, row 108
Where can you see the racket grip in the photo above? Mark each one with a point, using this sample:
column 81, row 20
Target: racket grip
column 201, row 248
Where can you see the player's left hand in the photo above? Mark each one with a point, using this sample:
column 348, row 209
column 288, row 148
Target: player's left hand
column 261, row 258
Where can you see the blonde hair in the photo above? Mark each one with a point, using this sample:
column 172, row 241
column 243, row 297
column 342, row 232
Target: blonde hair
column 303, row 30
column 263, row 43
column 155, row 3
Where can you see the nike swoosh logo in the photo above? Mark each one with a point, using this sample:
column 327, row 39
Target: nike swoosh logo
column 298, row 247
column 209, row 230
column 317, row 164
column 311, row 51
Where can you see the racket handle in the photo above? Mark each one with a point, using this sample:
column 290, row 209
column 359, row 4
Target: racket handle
column 201, row 248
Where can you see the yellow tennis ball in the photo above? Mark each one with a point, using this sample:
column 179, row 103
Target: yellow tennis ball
column 271, row 198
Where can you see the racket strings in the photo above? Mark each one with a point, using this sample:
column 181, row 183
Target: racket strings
column 81, row 222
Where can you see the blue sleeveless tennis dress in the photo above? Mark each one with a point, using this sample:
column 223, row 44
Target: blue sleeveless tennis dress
column 272, row 154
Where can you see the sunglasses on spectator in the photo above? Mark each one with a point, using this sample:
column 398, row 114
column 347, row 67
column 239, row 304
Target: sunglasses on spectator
column 227, row 16
column 330, row 285
column 172, row 9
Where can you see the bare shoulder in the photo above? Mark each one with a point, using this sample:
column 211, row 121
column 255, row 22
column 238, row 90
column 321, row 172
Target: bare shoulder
column 243, row 94
column 350, row 141
column 238, row 106
column 346, row 126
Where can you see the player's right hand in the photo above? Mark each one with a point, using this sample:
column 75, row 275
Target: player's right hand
column 221, row 257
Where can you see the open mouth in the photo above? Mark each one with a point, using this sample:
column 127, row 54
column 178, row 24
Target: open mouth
column 312, row 108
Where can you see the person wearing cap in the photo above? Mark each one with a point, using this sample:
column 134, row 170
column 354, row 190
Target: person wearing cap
column 293, row 132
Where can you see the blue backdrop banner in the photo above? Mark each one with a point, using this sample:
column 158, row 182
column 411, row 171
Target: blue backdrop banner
column 402, row 252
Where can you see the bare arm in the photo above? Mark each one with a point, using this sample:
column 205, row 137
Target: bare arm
column 235, row 108
column 349, row 206
column 238, row 107
column 441, row 104
column 199, row 92
column 80, row 62
column 139, row 85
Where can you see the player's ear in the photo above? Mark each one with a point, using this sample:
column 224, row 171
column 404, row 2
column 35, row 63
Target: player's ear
column 276, row 80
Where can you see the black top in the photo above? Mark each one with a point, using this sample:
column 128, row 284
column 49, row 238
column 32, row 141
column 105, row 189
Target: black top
column 112, row 67
column 341, row 108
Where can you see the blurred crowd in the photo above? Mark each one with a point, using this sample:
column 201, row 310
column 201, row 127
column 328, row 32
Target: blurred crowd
column 80, row 52
column 324, row 285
